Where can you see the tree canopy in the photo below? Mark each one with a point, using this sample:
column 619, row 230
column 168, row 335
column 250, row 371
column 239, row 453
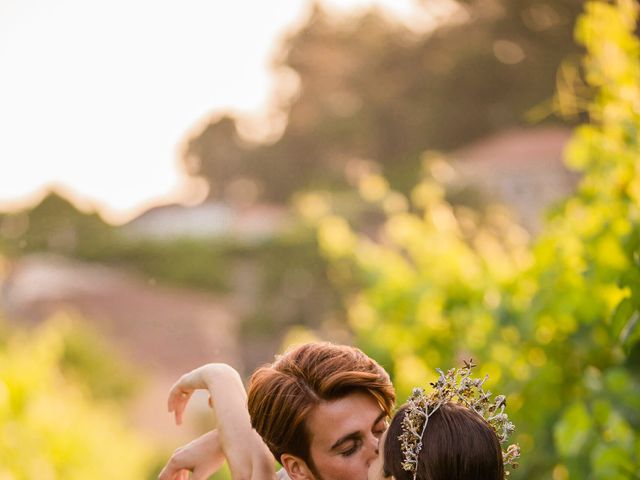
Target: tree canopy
column 370, row 88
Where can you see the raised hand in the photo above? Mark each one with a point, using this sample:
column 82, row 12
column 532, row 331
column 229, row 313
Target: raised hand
column 214, row 377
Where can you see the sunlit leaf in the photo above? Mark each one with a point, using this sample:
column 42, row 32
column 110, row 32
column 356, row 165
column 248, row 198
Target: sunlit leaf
column 573, row 430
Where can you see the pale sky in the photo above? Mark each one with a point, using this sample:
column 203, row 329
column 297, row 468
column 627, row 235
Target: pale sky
column 97, row 96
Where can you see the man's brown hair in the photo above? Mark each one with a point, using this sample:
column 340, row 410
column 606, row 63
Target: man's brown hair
column 282, row 395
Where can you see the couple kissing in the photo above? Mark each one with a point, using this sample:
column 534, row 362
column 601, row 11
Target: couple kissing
column 326, row 412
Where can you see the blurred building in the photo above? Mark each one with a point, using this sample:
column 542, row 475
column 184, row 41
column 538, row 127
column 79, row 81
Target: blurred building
column 160, row 328
column 210, row 220
column 522, row 168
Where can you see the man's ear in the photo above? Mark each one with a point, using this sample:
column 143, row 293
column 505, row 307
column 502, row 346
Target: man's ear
column 296, row 468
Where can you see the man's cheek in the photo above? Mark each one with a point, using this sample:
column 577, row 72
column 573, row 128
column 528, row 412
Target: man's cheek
column 343, row 469
column 355, row 468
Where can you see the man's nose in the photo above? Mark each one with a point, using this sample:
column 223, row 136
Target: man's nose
column 371, row 447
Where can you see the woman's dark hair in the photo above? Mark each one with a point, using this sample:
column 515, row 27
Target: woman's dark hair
column 458, row 444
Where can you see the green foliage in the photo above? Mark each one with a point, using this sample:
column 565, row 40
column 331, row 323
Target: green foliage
column 292, row 286
column 50, row 426
column 554, row 324
column 184, row 262
column 89, row 360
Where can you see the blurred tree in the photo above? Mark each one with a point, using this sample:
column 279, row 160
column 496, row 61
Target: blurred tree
column 53, row 225
column 370, row 88
column 557, row 323
column 218, row 154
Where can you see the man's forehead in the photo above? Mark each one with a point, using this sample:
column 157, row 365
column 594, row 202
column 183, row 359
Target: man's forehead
column 332, row 419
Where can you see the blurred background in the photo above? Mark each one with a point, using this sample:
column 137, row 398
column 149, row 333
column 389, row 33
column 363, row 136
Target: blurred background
column 196, row 182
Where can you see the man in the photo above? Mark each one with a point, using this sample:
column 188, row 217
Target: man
column 320, row 409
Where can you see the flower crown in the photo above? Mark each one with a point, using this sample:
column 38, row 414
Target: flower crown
column 456, row 384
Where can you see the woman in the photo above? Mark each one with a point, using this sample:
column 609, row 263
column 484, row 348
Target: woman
column 453, row 432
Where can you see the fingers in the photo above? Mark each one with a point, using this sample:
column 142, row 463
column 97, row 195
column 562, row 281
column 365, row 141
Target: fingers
column 182, row 390
column 183, row 475
column 168, row 473
column 175, row 393
column 181, row 404
column 178, row 400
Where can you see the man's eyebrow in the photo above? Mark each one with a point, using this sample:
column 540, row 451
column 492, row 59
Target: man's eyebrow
column 382, row 415
column 355, row 435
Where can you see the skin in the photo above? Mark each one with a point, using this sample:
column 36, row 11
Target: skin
column 376, row 471
column 196, row 460
column 344, row 440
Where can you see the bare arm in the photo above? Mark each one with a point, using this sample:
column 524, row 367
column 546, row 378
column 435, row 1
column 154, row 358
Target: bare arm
column 202, row 457
column 248, row 456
